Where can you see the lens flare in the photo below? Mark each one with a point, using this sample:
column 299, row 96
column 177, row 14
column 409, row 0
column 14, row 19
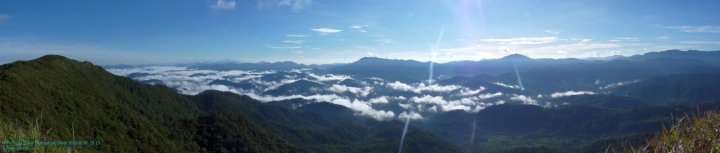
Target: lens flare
column 517, row 73
column 472, row 135
column 402, row 138
column 433, row 52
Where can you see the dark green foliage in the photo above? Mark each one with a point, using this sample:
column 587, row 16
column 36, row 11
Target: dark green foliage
column 82, row 99
column 327, row 109
column 228, row 132
column 78, row 100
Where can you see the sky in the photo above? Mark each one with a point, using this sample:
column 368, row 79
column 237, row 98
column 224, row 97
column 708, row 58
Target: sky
column 342, row 31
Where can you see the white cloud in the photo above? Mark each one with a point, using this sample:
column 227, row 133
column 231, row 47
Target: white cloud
column 432, row 109
column 437, row 88
column 294, row 41
column 4, row 18
column 285, row 47
column 385, row 41
column 422, row 87
column 329, row 77
column 524, row 99
column 619, row 39
column 149, row 69
column 507, row 85
column 553, row 32
column 296, row 5
column 701, row 42
column 411, row 115
column 295, row 36
column 696, row 29
column 489, row 95
column 186, row 82
column 454, row 106
column 468, row 92
column 360, row 28
column 618, row 84
column 324, row 30
column 397, row 85
column 355, row 90
column 220, row 5
column 379, row 100
column 360, row 107
column 427, row 99
column 571, row 93
column 522, row 40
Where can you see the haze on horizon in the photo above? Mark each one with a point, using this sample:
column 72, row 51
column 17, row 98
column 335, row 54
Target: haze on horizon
column 323, row 31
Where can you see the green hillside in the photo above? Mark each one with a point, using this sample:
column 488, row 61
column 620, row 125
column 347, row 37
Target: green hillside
column 53, row 98
column 80, row 101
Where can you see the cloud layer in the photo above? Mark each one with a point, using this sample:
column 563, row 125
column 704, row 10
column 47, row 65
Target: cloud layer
column 371, row 97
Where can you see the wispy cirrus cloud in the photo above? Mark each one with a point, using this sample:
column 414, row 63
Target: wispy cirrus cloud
column 296, row 5
column 324, row 30
column 295, row 36
column 619, row 39
column 701, row 42
column 521, row 40
column 4, row 18
column 553, row 32
column 571, row 93
column 285, row 47
column 220, row 5
column 359, row 28
column 294, row 41
column 696, row 29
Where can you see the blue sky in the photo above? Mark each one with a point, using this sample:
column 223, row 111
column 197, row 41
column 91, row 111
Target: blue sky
column 332, row 31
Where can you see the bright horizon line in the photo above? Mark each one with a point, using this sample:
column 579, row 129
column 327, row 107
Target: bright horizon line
column 356, row 59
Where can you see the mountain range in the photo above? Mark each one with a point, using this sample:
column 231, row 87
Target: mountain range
column 511, row 104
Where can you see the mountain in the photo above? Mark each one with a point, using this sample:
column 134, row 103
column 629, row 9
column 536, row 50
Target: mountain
column 299, row 87
column 82, row 101
column 587, row 124
column 675, row 88
column 516, row 57
column 592, row 76
column 389, row 69
column 474, row 106
column 71, row 100
column 416, row 71
column 710, row 57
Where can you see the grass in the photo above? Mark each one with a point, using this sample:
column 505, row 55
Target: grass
column 28, row 132
column 700, row 133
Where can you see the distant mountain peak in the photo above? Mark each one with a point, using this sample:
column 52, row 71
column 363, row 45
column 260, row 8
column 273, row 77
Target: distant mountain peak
column 370, row 59
column 516, row 57
column 53, row 58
